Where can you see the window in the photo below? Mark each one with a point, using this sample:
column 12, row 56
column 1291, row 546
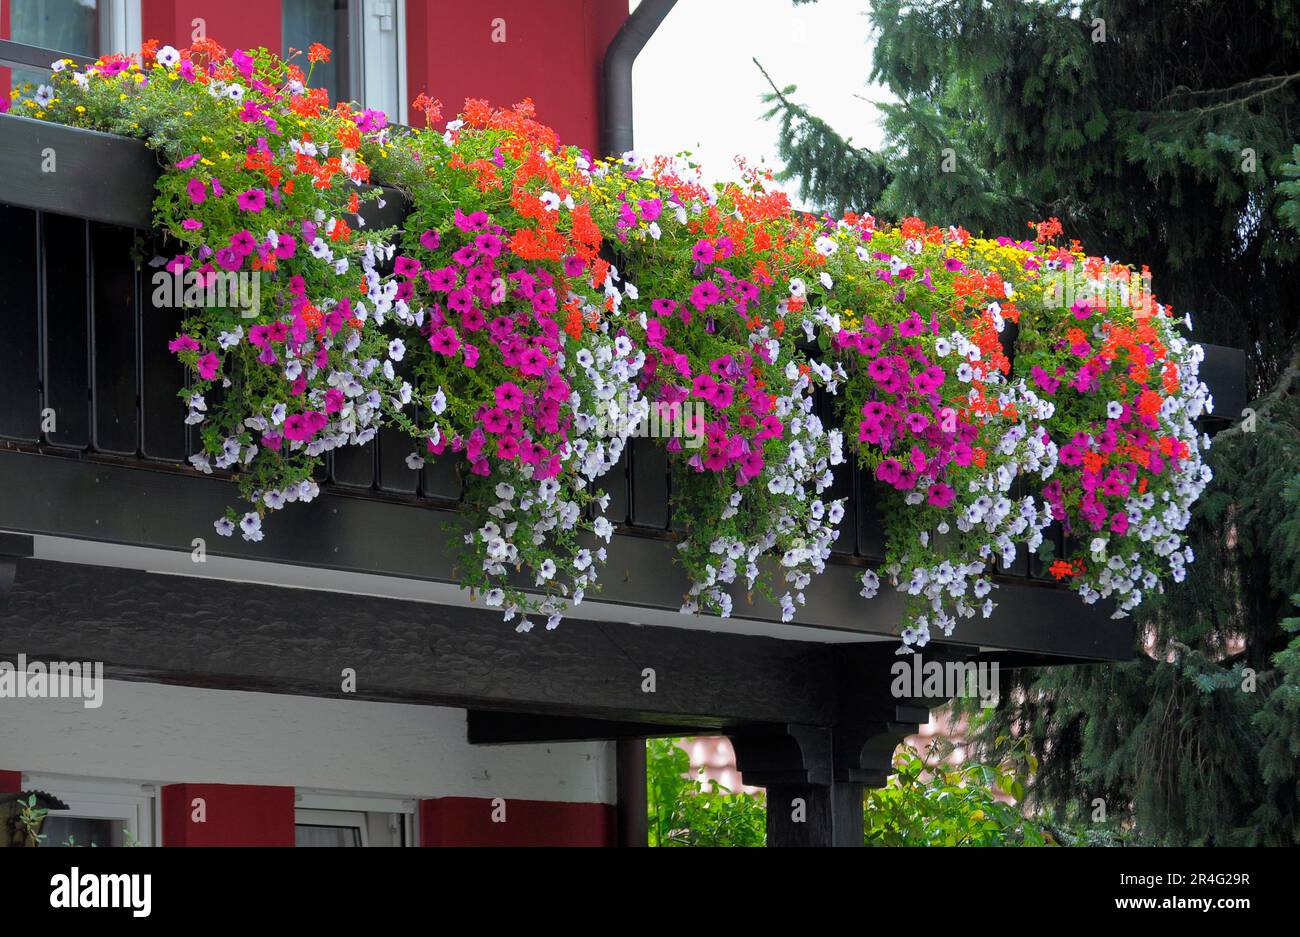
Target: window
column 330, row 828
column 304, row 22
column 367, row 41
column 341, row 820
column 81, row 27
column 100, row 813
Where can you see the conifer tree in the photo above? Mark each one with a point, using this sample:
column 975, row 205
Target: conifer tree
column 1164, row 132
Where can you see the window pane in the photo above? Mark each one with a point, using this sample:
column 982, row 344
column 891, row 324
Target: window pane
column 61, row 25
column 80, row 831
column 325, row 21
column 326, row 835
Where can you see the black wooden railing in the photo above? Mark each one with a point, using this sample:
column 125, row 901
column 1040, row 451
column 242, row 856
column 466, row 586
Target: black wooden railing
column 84, row 368
column 85, row 347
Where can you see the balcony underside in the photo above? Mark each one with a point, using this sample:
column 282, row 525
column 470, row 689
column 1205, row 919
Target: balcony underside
column 84, row 341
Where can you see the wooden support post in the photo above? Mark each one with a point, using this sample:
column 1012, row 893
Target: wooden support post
column 816, row 776
column 633, row 823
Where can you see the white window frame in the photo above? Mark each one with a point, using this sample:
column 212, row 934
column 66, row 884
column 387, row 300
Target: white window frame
column 349, row 819
column 371, row 77
column 329, row 808
column 120, row 26
column 133, row 805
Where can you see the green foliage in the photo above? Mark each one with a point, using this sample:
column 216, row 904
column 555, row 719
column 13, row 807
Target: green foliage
column 933, row 804
column 687, row 811
column 30, row 819
column 921, row 805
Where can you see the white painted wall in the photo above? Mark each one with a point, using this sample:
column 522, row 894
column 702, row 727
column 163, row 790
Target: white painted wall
column 166, row 734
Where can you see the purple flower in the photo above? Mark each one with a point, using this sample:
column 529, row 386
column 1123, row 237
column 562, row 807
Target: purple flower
column 229, row 259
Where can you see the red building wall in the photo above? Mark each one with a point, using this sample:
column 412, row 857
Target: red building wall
column 233, row 815
column 236, row 24
column 481, row 821
column 552, row 53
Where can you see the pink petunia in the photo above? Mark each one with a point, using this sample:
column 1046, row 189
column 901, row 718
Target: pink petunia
column 509, row 396
column 406, row 266
column 940, row 495
column 253, row 200
column 208, row 365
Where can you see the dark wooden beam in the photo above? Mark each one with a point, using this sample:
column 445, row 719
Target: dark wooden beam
column 492, row 727
column 165, row 509
column 232, row 635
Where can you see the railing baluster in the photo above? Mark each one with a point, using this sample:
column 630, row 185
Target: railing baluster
column 871, row 526
column 20, row 379
column 615, row 484
column 354, row 466
column 394, row 474
column 66, row 333
column 439, row 478
column 115, row 294
column 163, row 433
column 648, row 482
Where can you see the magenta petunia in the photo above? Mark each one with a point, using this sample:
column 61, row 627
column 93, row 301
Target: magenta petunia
column 940, row 495
column 406, row 266
column 509, row 396
column 208, row 365
column 253, row 200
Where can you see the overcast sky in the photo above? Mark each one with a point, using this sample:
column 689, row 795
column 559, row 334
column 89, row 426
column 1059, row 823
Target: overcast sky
column 697, row 89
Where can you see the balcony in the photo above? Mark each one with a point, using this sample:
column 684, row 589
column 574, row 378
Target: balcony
column 91, row 431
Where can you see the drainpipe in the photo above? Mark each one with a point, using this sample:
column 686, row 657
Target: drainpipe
column 616, row 138
column 616, row 102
